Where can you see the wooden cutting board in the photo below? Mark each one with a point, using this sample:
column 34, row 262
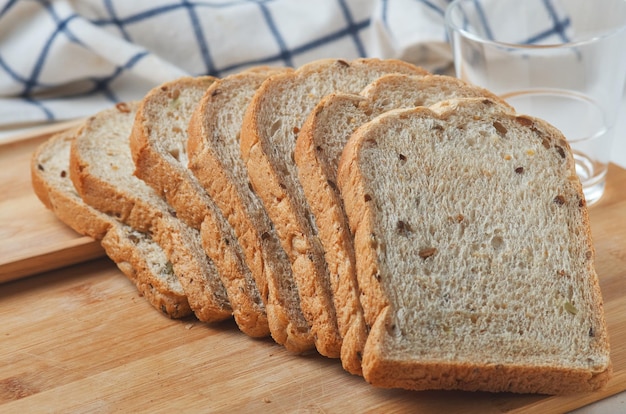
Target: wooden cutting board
column 80, row 339
column 32, row 240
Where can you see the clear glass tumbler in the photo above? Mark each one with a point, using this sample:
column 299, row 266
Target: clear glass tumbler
column 560, row 60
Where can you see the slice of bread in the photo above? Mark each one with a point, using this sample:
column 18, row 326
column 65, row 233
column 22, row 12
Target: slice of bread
column 158, row 145
column 269, row 130
column 101, row 168
column 136, row 254
column 318, row 148
column 473, row 244
column 214, row 158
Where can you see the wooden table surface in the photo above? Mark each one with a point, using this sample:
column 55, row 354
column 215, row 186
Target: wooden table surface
column 80, row 339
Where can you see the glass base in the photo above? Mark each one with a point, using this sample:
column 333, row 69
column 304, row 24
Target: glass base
column 592, row 176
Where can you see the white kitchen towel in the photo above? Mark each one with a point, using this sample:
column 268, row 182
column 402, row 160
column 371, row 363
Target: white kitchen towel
column 63, row 59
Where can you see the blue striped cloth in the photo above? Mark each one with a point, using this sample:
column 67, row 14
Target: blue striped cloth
column 63, row 59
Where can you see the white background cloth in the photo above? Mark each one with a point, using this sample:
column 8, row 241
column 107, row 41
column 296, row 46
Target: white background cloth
column 63, row 59
column 67, row 59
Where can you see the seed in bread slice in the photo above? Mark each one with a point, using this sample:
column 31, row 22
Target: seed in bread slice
column 214, row 158
column 101, row 168
column 270, row 127
column 318, row 148
column 135, row 253
column 472, row 239
column 159, row 148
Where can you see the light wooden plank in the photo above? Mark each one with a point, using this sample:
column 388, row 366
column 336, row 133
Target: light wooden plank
column 32, row 239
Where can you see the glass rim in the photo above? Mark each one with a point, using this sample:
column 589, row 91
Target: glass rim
column 451, row 26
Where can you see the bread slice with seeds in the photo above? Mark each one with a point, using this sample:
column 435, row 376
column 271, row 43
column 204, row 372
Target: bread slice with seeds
column 214, row 158
column 158, row 144
column 136, row 254
column 269, row 130
column 318, row 148
column 101, row 168
column 473, row 244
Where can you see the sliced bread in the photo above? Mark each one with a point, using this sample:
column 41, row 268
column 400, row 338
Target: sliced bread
column 158, row 145
column 135, row 253
column 214, row 158
column 318, row 148
column 473, row 244
column 269, row 130
column 101, row 168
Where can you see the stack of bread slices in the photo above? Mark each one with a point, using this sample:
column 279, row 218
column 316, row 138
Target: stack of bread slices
column 411, row 225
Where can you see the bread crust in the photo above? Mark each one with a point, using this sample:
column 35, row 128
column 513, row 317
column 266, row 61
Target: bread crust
column 384, row 364
column 122, row 250
column 318, row 148
column 68, row 207
column 320, row 317
column 165, row 170
column 449, row 375
column 136, row 205
column 273, row 176
column 266, row 258
column 152, row 165
column 319, row 185
column 312, row 289
column 71, row 210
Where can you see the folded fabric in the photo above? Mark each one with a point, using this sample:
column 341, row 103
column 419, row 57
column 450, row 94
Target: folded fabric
column 66, row 59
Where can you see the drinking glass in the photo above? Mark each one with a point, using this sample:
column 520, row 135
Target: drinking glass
column 560, row 60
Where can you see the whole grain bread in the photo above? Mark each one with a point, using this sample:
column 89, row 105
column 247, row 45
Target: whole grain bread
column 158, row 144
column 269, row 130
column 135, row 253
column 101, row 168
column 214, row 158
column 474, row 251
column 318, row 148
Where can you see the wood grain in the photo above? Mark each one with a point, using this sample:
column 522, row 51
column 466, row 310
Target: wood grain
column 32, row 239
column 80, row 339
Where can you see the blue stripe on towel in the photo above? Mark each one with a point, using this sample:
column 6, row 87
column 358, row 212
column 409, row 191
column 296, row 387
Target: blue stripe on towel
column 37, row 83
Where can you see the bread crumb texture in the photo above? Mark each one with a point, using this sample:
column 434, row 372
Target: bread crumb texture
column 483, row 248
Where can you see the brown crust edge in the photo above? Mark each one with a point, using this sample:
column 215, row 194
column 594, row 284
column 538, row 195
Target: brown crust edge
column 87, row 221
column 267, row 186
column 209, row 171
column 144, row 217
column 327, row 207
column 178, row 190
